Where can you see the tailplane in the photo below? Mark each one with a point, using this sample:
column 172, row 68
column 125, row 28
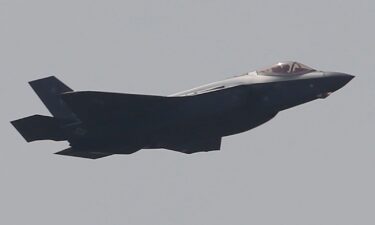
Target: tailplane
column 39, row 127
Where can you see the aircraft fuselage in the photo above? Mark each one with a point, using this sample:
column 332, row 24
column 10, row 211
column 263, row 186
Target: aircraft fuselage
column 98, row 124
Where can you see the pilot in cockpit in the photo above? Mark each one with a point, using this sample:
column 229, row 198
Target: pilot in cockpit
column 286, row 68
column 282, row 69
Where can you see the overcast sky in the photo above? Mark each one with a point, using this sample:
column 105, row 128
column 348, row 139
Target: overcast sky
column 313, row 164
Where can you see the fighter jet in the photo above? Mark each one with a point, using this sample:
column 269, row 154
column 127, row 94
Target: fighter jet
column 99, row 124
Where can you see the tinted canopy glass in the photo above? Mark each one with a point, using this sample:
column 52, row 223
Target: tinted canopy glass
column 286, row 68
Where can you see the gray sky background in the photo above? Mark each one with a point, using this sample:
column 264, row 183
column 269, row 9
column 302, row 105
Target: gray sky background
column 313, row 164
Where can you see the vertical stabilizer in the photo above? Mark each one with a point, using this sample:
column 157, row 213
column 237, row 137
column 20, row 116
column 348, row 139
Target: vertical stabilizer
column 49, row 89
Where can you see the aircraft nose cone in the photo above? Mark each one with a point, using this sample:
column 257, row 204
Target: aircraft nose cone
column 339, row 77
column 337, row 80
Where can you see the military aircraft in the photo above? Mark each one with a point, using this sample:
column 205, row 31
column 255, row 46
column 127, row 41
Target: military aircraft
column 99, row 124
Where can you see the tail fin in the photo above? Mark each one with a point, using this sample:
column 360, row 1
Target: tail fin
column 39, row 127
column 49, row 89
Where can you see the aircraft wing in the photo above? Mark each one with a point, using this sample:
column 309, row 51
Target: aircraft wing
column 102, row 106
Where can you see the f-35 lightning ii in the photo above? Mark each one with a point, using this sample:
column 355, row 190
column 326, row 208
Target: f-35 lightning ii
column 99, row 124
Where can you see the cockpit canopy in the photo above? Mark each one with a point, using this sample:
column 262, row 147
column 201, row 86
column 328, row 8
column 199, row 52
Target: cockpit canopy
column 286, row 68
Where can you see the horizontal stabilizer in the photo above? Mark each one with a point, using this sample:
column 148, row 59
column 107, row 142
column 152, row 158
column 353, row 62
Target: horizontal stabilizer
column 39, row 127
column 82, row 154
